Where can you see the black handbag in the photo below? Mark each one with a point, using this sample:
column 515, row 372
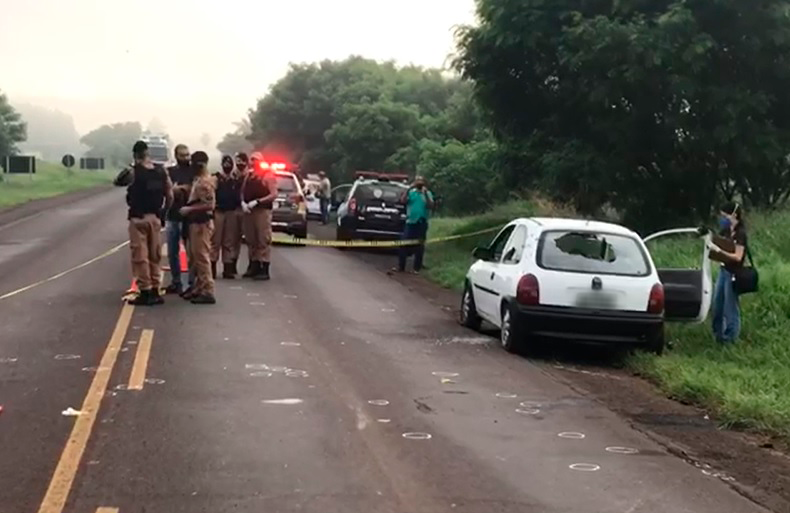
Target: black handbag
column 747, row 279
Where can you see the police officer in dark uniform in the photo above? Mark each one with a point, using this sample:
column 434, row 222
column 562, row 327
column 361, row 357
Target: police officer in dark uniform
column 258, row 192
column 149, row 190
column 228, row 217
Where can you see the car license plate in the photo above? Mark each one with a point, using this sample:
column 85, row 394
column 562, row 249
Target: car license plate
column 596, row 300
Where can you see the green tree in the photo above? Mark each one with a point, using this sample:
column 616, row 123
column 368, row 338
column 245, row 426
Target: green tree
column 51, row 133
column 13, row 129
column 367, row 134
column 601, row 101
column 466, row 176
column 360, row 114
column 237, row 141
column 113, row 142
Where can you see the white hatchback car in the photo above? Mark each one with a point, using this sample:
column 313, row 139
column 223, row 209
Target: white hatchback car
column 581, row 281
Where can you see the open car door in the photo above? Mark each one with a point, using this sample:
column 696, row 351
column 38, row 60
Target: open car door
column 687, row 292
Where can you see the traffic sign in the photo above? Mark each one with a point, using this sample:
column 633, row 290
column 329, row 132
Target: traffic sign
column 68, row 160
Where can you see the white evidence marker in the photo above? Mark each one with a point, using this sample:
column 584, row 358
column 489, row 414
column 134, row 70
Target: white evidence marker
column 289, row 401
column 584, row 467
column 417, row 436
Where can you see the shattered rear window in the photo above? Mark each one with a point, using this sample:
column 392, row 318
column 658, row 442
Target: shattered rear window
column 592, row 252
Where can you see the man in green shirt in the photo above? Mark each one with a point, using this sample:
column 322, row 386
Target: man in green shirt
column 419, row 202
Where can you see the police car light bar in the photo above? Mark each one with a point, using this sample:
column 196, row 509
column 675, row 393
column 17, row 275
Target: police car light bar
column 378, row 175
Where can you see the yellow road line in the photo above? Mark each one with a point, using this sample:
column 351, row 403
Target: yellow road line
column 63, row 478
column 137, row 378
column 105, row 509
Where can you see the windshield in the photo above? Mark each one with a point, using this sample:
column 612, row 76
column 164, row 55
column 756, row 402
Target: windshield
column 310, row 187
column 286, row 184
column 158, row 153
column 591, row 252
column 388, row 192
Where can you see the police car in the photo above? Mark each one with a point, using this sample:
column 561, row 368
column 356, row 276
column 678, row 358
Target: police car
column 289, row 211
column 567, row 279
column 372, row 209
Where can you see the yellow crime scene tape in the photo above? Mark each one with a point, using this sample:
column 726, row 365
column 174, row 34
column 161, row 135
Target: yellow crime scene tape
column 288, row 241
column 296, row 241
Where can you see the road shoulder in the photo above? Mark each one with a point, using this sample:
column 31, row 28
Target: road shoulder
column 755, row 465
column 16, row 213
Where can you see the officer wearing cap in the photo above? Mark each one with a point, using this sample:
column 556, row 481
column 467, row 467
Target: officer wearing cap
column 149, row 190
column 228, row 218
column 258, row 192
column 199, row 212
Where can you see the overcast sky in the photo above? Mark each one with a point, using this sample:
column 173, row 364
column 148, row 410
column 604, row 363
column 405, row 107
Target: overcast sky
column 199, row 63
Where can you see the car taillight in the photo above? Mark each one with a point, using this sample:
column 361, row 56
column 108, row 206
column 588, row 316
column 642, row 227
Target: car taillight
column 528, row 290
column 655, row 304
column 352, row 206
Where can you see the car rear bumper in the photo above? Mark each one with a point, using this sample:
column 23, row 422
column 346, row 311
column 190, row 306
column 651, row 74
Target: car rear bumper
column 600, row 326
column 291, row 225
column 373, row 231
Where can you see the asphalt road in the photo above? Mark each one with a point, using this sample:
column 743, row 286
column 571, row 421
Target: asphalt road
column 331, row 388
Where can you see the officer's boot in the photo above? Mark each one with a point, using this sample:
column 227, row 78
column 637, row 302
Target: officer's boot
column 214, row 270
column 203, row 299
column 228, row 271
column 142, row 299
column 156, row 297
column 252, row 269
column 263, row 275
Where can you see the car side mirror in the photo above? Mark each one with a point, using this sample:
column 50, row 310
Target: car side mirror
column 482, row 253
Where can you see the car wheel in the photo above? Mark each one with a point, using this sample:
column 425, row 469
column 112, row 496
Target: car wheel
column 343, row 235
column 469, row 316
column 510, row 335
column 656, row 341
column 301, row 233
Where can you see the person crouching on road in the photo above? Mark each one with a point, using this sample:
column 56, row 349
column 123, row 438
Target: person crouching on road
column 182, row 176
column 199, row 213
column 258, row 192
column 419, row 202
column 148, row 191
column 227, row 219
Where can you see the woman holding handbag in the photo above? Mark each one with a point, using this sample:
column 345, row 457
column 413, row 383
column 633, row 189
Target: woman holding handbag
column 734, row 278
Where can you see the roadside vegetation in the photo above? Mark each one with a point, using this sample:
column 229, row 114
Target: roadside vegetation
column 50, row 180
column 744, row 386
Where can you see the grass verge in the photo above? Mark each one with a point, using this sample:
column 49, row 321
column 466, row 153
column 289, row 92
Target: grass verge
column 50, row 180
column 746, row 385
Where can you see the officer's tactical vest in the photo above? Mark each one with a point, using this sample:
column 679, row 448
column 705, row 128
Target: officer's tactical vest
column 146, row 194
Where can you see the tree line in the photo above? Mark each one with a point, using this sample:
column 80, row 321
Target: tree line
column 654, row 109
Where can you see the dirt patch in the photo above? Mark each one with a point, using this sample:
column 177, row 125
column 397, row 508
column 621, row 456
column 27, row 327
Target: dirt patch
column 755, row 465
